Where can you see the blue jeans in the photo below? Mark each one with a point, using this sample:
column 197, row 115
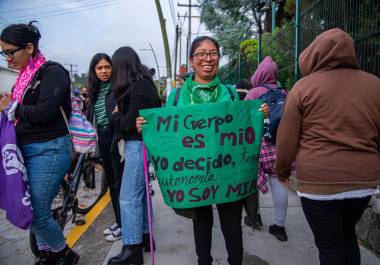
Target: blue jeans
column 46, row 165
column 133, row 202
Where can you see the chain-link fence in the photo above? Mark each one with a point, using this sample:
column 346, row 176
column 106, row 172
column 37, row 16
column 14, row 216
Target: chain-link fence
column 359, row 18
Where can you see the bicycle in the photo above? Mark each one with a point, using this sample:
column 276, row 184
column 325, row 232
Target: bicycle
column 73, row 199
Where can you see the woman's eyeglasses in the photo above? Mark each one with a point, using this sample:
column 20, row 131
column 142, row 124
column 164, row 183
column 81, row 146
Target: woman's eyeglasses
column 10, row 53
column 203, row 55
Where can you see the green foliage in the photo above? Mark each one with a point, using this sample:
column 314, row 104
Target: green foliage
column 80, row 80
column 231, row 21
column 279, row 45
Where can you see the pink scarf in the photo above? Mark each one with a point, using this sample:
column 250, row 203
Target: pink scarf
column 26, row 75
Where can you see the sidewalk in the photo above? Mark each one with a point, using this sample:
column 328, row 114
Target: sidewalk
column 175, row 246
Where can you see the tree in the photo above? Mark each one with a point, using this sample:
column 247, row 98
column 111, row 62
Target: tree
column 232, row 21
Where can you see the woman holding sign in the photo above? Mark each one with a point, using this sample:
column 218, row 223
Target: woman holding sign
column 205, row 87
column 134, row 90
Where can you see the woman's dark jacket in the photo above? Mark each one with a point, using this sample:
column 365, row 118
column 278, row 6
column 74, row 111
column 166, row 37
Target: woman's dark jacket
column 110, row 104
column 139, row 95
column 40, row 117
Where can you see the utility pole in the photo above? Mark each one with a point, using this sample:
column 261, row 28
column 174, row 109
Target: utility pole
column 72, row 71
column 177, row 36
column 190, row 6
column 166, row 46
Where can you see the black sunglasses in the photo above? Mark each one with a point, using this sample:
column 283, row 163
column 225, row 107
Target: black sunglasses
column 9, row 54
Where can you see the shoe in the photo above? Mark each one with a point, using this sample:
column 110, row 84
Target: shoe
column 130, row 254
column 278, row 232
column 112, row 228
column 259, row 222
column 44, row 258
column 146, row 243
column 115, row 236
column 66, row 257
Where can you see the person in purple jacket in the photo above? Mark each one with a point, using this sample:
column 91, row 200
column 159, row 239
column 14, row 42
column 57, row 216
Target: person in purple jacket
column 266, row 74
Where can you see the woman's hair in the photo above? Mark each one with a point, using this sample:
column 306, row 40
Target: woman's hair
column 93, row 81
column 22, row 34
column 198, row 41
column 127, row 68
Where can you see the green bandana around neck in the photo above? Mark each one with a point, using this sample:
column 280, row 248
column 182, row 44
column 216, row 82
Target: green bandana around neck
column 195, row 93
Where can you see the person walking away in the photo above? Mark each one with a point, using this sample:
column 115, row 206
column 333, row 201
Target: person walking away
column 42, row 134
column 204, row 86
column 101, row 113
column 331, row 127
column 134, row 90
column 265, row 78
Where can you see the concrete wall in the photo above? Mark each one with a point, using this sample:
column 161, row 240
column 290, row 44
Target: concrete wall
column 7, row 79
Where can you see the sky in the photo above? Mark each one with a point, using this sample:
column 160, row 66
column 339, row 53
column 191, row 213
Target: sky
column 74, row 30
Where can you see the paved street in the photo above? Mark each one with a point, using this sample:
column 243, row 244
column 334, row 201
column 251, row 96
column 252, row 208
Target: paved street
column 174, row 238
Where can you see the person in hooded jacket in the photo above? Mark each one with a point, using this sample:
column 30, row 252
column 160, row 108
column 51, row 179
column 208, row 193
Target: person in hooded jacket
column 266, row 74
column 331, row 126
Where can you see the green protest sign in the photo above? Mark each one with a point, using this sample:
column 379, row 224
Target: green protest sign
column 206, row 153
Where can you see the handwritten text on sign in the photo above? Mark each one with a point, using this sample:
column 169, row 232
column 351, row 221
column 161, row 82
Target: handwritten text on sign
column 204, row 154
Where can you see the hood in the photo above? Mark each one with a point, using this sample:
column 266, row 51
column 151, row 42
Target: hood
column 330, row 50
column 266, row 73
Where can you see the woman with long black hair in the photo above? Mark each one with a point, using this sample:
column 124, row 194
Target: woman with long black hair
column 41, row 91
column 101, row 113
column 134, row 90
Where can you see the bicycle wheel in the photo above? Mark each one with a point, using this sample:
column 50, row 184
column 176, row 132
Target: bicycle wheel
column 93, row 186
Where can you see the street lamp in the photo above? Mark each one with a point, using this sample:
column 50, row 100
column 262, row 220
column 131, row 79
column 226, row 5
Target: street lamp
column 155, row 58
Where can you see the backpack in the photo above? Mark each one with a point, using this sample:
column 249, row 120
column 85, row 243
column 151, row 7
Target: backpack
column 83, row 134
column 178, row 92
column 275, row 100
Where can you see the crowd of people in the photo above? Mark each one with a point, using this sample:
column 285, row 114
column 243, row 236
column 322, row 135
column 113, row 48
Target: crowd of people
column 329, row 130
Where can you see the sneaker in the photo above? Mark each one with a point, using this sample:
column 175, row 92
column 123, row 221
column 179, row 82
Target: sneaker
column 116, row 235
column 278, row 232
column 112, row 228
column 259, row 222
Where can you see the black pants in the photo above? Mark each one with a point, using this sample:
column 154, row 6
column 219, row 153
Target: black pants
column 251, row 206
column 112, row 167
column 230, row 222
column 333, row 225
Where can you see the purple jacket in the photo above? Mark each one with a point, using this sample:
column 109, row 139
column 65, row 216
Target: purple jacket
column 266, row 73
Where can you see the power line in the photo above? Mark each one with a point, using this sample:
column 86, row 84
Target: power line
column 72, row 10
column 172, row 11
column 38, row 7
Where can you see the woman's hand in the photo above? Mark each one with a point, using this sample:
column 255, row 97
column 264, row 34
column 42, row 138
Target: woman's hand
column 4, row 101
column 264, row 108
column 139, row 122
column 115, row 110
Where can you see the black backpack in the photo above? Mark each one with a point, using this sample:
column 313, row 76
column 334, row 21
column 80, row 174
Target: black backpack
column 275, row 100
column 178, row 92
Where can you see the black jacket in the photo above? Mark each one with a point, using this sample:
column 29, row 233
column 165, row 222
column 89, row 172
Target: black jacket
column 40, row 117
column 139, row 95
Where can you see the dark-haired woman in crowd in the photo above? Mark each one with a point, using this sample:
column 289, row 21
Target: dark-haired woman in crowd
column 42, row 134
column 101, row 113
column 204, row 86
column 134, row 90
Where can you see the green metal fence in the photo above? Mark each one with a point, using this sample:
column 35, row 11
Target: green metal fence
column 359, row 18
